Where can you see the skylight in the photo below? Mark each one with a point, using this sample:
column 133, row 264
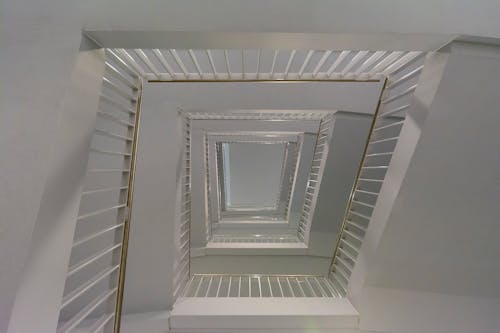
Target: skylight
column 252, row 172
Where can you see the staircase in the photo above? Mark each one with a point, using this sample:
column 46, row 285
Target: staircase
column 94, row 286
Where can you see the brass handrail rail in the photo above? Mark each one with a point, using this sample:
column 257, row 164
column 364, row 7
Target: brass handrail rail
column 126, row 225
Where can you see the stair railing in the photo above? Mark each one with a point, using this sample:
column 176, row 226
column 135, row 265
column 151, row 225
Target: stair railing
column 395, row 99
column 259, row 285
column 93, row 295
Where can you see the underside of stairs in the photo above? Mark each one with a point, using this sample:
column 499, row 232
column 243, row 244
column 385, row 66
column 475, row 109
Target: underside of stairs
column 266, row 314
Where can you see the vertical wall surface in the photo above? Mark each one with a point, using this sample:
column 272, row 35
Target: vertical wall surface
column 391, row 310
column 148, row 286
column 440, row 245
column 348, row 140
column 422, row 99
column 38, row 50
column 42, row 283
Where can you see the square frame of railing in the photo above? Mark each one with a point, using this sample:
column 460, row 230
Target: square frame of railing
column 120, row 109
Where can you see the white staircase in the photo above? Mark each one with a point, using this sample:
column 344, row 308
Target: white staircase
column 232, row 314
column 262, row 303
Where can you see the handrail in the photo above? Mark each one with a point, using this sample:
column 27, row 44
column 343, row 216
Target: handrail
column 358, row 176
column 126, row 223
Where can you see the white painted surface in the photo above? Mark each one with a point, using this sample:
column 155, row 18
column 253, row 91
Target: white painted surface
column 157, row 322
column 424, row 17
column 283, row 313
column 436, row 267
column 349, row 136
column 143, row 322
column 347, row 144
column 267, row 264
column 41, row 287
column 152, row 322
column 30, row 108
column 408, row 139
column 38, row 46
column 148, row 285
column 271, row 95
column 255, row 249
column 396, row 311
column 150, row 260
column 199, row 220
column 443, row 232
column 258, row 39
column 265, row 330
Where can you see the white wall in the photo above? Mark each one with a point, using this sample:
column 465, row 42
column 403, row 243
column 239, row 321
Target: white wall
column 36, row 62
column 293, row 95
column 148, row 284
column 445, row 217
column 267, row 264
column 359, row 16
column 41, row 287
column 421, row 100
column 42, row 283
column 396, row 311
column 436, row 266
